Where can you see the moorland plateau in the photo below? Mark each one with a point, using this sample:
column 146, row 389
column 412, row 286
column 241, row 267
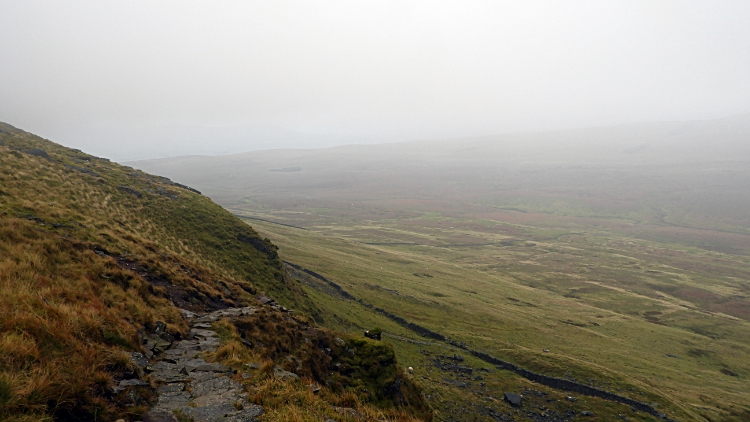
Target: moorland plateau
column 615, row 257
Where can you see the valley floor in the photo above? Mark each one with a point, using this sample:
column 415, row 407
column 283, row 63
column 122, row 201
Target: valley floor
column 661, row 323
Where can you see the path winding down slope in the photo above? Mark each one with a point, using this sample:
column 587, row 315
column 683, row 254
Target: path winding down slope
column 192, row 387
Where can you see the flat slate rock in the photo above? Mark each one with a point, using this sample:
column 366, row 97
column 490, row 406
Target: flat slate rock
column 210, row 344
column 204, row 376
column 133, row 383
column 171, row 401
column 171, row 388
column 170, row 376
column 176, row 354
column 217, row 386
column 199, row 332
column 186, row 345
column 225, row 413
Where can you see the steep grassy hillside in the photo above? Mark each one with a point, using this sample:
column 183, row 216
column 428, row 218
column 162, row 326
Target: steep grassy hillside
column 94, row 256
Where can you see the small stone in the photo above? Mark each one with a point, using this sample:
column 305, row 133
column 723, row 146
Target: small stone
column 587, row 413
column 314, row 388
column 280, row 373
column 570, row 399
column 161, row 328
column 149, row 343
column 139, row 360
column 253, row 365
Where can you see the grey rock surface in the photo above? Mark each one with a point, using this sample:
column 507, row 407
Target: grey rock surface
column 81, row 169
column 280, row 373
column 36, row 152
column 195, row 388
column 514, row 399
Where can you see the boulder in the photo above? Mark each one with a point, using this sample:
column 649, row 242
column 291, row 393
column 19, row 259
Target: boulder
column 515, row 400
column 130, row 191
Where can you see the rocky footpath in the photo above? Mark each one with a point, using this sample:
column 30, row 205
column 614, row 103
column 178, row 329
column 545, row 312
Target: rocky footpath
column 188, row 387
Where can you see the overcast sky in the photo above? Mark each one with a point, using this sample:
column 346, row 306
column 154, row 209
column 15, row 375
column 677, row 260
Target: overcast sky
column 132, row 79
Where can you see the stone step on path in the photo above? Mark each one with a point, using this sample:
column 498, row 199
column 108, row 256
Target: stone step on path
column 194, row 388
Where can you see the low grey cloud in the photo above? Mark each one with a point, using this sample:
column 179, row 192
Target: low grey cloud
column 147, row 79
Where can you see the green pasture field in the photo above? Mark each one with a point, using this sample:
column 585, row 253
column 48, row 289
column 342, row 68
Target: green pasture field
column 658, row 321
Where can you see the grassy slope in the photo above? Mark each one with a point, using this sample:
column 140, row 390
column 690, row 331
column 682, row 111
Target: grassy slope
column 600, row 321
column 531, row 242
column 92, row 254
